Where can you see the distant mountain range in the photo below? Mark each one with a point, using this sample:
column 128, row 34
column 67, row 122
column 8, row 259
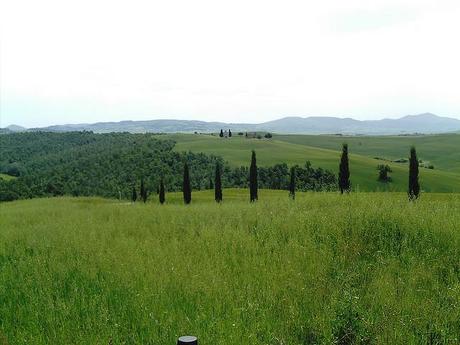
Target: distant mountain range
column 423, row 123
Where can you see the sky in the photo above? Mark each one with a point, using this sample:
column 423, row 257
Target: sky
column 235, row 61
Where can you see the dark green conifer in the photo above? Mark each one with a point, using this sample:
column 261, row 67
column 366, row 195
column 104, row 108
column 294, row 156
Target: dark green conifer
column 344, row 171
column 221, row 134
column 253, row 178
column 161, row 194
column 134, row 195
column 143, row 191
column 186, row 188
column 218, row 184
column 414, row 185
column 292, row 184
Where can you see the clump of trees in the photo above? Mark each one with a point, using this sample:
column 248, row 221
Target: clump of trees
column 86, row 164
column 384, row 170
column 229, row 133
column 307, row 177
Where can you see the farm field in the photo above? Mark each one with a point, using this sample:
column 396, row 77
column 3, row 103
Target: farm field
column 364, row 268
column 363, row 166
column 441, row 150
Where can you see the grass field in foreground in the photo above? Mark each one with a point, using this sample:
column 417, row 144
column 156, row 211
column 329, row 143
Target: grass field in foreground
column 324, row 269
column 237, row 151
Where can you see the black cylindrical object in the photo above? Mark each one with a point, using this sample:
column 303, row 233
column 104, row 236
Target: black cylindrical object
column 187, row 340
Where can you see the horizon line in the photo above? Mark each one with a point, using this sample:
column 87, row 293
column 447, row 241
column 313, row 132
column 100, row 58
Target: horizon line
column 233, row 123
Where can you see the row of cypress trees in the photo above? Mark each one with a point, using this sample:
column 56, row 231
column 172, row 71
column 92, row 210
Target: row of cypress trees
column 343, row 180
column 144, row 194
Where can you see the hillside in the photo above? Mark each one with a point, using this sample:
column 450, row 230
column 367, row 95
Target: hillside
column 115, row 164
column 111, row 165
column 363, row 168
column 422, row 123
column 88, row 164
column 440, row 150
column 323, row 269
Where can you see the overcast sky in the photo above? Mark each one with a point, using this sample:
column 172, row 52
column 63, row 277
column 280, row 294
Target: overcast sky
column 235, row 61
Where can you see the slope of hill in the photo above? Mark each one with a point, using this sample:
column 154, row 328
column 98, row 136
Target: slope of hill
column 423, row 123
column 112, row 165
column 363, row 169
column 440, row 150
column 83, row 163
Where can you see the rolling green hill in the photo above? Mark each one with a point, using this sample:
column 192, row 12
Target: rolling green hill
column 443, row 151
column 236, row 151
column 323, row 269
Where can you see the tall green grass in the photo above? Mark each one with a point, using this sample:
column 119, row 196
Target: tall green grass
column 323, row 269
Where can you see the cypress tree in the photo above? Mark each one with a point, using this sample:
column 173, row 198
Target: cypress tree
column 414, row 185
column 218, row 184
column 292, row 184
column 229, row 133
column 161, row 194
column 221, row 133
column 134, row 195
column 143, row 191
column 253, row 178
column 344, row 171
column 186, row 189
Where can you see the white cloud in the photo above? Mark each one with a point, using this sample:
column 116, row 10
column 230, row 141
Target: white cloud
column 253, row 60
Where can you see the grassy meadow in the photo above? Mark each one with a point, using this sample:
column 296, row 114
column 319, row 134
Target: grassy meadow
column 364, row 268
column 324, row 152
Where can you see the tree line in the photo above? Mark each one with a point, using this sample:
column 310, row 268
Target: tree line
column 344, row 183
